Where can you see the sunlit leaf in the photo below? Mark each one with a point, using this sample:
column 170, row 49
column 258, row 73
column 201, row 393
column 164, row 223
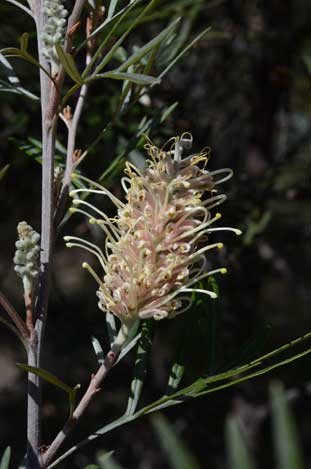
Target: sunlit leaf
column 111, row 9
column 14, row 84
column 69, row 64
column 137, row 78
column 175, row 377
column 98, row 351
column 131, row 342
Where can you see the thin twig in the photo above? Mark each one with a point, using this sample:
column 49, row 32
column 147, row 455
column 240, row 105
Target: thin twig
column 93, row 388
column 15, row 317
column 72, row 125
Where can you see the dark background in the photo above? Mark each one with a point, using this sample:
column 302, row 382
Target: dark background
column 248, row 98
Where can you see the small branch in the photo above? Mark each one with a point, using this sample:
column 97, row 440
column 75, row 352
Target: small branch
column 29, row 312
column 72, row 125
column 15, row 317
column 72, row 20
column 94, row 387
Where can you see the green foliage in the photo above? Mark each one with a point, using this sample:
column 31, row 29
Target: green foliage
column 288, row 454
column 69, row 64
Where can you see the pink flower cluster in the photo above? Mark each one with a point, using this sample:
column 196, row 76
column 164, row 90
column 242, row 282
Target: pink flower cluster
column 154, row 254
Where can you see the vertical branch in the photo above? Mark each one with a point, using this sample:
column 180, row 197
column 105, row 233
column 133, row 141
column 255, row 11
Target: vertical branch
column 50, row 96
column 36, row 339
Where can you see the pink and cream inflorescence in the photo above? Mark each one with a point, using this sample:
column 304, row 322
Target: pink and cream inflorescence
column 155, row 247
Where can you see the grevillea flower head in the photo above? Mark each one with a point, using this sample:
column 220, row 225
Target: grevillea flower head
column 26, row 257
column 54, row 30
column 154, row 254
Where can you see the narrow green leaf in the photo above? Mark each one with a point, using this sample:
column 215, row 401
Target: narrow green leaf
column 177, row 453
column 127, row 348
column 198, row 388
column 286, row 441
column 46, row 375
column 111, row 9
column 52, row 379
column 140, row 369
column 98, row 351
column 5, row 460
column 103, row 456
column 122, row 13
column 142, row 51
column 69, row 64
column 175, row 377
column 11, row 51
column 24, row 42
column 212, row 35
column 137, row 78
column 238, row 454
column 3, row 171
column 168, row 111
column 107, row 461
column 177, row 398
column 23, row 54
column 8, row 70
column 111, row 327
column 115, row 47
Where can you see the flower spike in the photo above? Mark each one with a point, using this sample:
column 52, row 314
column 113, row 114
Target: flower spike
column 153, row 249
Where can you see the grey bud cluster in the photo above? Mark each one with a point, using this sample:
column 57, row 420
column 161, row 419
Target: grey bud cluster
column 54, row 30
column 26, row 257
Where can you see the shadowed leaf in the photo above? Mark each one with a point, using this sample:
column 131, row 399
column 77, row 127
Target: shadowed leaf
column 239, row 456
column 178, row 455
column 5, row 460
column 286, row 442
